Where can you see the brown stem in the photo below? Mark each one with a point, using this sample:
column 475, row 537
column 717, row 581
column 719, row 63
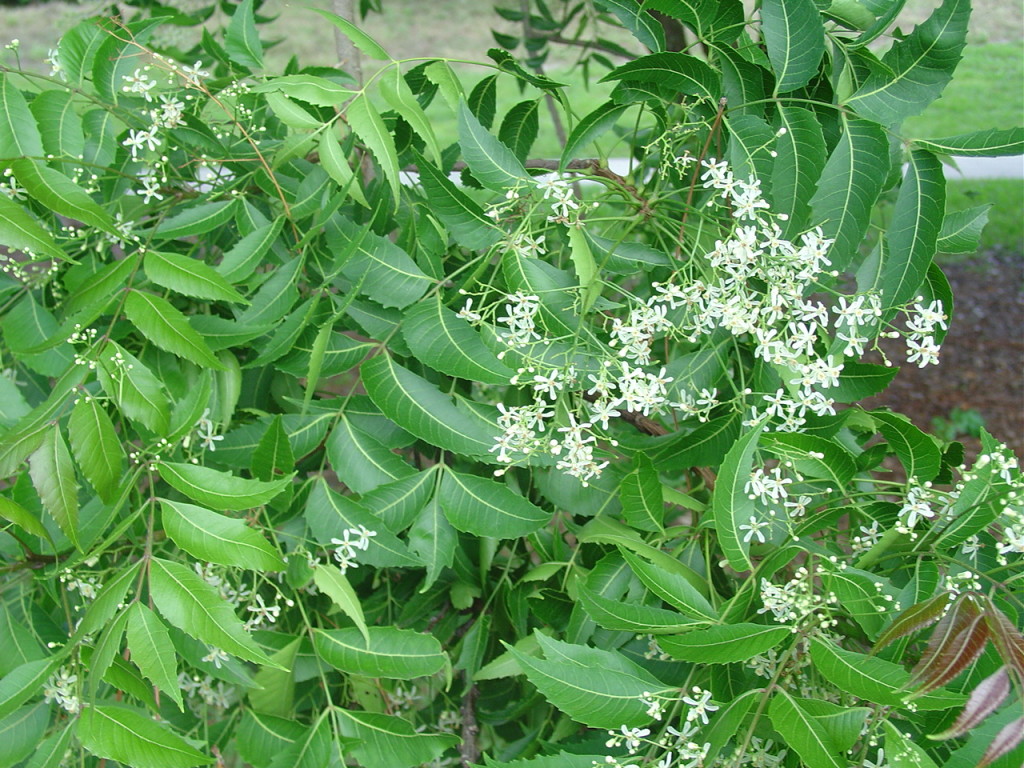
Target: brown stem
column 348, row 54
column 696, row 170
column 469, row 749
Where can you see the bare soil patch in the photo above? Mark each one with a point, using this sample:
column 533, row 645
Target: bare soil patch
column 982, row 361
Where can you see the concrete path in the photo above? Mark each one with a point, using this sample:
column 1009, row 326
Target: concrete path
column 966, row 167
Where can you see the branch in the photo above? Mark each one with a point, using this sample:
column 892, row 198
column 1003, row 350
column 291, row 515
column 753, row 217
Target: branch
column 348, row 54
column 469, row 750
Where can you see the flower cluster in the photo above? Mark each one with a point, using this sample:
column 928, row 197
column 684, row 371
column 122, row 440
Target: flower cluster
column 62, row 688
column 797, row 603
column 353, row 541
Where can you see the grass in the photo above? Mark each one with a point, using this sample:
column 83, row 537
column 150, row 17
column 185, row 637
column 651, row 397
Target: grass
column 1005, row 228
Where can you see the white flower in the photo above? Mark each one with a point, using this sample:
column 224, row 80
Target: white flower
column 754, row 529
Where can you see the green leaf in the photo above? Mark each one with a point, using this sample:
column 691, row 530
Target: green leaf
column 197, row 220
column 640, row 494
column 671, row 587
column 493, row 164
column 456, row 210
column 795, row 38
column 917, row 452
column 849, row 186
column 705, row 445
column 519, row 128
column 643, row 26
column 168, row 329
column 961, row 230
column 217, row 538
column 334, row 161
column 398, row 654
column 447, row 343
column 359, row 38
column 629, row 616
column 679, row 71
column 914, row 233
column 730, row 505
column 861, row 380
column 17, row 514
column 308, row 88
column 724, row 644
column 51, row 750
column 96, row 446
column 273, row 452
column 96, row 291
column 58, row 193
column 60, row 126
column 22, row 731
column 589, row 128
column 915, row 69
column 399, row 503
column 587, row 272
column 137, row 392
column 386, row 273
column 433, row 540
column 422, row 409
column 987, row 143
column 441, row 74
column 484, row 507
column 902, row 752
column 220, row 490
column 152, row 651
column 390, row 742
column 274, row 693
column 803, row 733
column 241, row 40
column 332, row 582
column 873, row 679
column 198, row 610
column 53, row 476
column 399, row 96
column 19, row 136
column 131, row 738
column 598, row 688
column 800, row 160
column 360, row 461
column 108, row 601
column 365, row 121
column 813, row 456
column 294, row 116
column 23, row 682
column 189, row 277
column 20, row 232
column 329, row 514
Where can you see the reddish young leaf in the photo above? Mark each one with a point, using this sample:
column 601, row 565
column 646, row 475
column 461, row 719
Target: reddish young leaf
column 1007, row 739
column 1008, row 640
column 950, row 656
column 914, row 618
column 983, row 701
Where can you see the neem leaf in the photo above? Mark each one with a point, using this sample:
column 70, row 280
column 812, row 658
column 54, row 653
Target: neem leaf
column 447, row 343
column 152, row 650
column 220, row 490
column 131, row 738
column 217, row 538
column 724, row 644
column 167, row 327
column 399, row 654
column 485, row 507
column 198, row 610
column 189, row 277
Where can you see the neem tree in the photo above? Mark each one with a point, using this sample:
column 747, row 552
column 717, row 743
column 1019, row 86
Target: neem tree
column 314, row 455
